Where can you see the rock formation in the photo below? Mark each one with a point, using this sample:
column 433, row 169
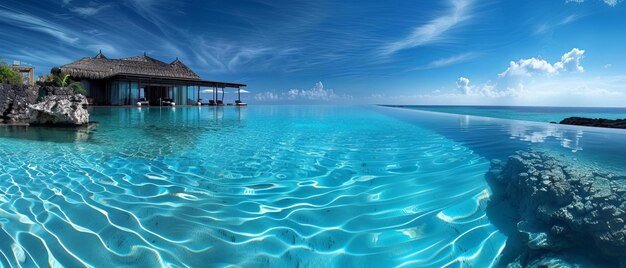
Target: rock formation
column 561, row 209
column 54, row 90
column 594, row 122
column 60, row 110
column 14, row 100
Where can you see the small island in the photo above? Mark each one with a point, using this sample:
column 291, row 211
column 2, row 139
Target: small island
column 594, row 122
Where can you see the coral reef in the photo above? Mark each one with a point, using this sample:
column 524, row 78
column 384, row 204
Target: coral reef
column 560, row 208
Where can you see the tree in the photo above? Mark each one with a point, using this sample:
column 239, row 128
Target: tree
column 8, row 75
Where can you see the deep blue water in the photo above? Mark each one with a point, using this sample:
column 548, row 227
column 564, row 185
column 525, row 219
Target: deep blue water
column 529, row 113
column 288, row 186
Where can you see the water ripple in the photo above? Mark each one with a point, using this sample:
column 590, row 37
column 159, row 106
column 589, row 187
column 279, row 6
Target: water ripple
column 204, row 187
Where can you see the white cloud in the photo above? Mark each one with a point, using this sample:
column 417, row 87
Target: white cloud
column 266, row 96
column 570, row 62
column 434, row 30
column 316, row 94
column 515, row 80
column 612, row 2
column 463, row 85
column 607, row 66
column 528, row 67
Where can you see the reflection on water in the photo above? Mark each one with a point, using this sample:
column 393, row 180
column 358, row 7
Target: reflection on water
column 496, row 138
column 62, row 134
column 568, row 138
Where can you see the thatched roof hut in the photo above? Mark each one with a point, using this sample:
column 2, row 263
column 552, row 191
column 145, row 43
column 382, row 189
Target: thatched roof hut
column 101, row 67
column 126, row 81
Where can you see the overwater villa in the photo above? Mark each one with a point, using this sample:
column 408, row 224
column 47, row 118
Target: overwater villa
column 142, row 79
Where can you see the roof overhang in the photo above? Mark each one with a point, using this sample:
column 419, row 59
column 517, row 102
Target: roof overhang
column 175, row 80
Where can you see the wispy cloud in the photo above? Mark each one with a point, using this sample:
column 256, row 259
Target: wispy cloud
column 452, row 60
column 547, row 27
column 433, row 31
column 88, row 11
column 608, row 2
column 33, row 23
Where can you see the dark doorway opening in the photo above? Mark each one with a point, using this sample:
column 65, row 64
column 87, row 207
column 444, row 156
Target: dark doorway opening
column 154, row 94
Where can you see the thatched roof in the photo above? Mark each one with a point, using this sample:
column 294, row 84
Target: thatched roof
column 101, row 67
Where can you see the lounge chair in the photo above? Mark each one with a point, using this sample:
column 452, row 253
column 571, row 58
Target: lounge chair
column 168, row 102
column 240, row 103
column 143, row 102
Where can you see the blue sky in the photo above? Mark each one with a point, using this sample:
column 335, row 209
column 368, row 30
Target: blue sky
column 548, row 52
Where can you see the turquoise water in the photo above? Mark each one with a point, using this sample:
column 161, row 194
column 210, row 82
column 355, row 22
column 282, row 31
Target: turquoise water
column 287, row 186
column 529, row 113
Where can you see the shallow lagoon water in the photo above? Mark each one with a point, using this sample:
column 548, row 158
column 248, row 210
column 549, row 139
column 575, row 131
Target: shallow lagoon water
column 266, row 186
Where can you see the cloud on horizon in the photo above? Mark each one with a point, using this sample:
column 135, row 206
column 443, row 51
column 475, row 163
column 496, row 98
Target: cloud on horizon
column 316, row 94
column 513, row 82
column 570, row 62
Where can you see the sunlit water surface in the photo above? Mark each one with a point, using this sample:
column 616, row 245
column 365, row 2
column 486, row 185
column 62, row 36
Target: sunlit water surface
column 528, row 113
column 314, row 186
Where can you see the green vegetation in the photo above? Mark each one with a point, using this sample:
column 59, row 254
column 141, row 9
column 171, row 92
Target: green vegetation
column 63, row 80
column 8, row 75
column 77, row 87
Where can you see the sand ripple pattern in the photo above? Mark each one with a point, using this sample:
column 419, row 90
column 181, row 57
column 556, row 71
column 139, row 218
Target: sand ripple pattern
column 260, row 186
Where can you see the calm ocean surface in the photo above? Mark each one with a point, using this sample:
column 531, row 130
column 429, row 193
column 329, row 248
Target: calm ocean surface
column 529, row 113
column 286, row 186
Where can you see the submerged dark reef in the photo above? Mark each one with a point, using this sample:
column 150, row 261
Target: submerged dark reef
column 557, row 212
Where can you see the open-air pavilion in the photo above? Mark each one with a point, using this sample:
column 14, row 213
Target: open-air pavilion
column 127, row 81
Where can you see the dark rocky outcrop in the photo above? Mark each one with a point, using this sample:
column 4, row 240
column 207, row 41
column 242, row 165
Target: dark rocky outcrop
column 60, row 106
column 53, row 90
column 14, row 101
column 60, row 110
column 564, row 213
column 594, row 122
